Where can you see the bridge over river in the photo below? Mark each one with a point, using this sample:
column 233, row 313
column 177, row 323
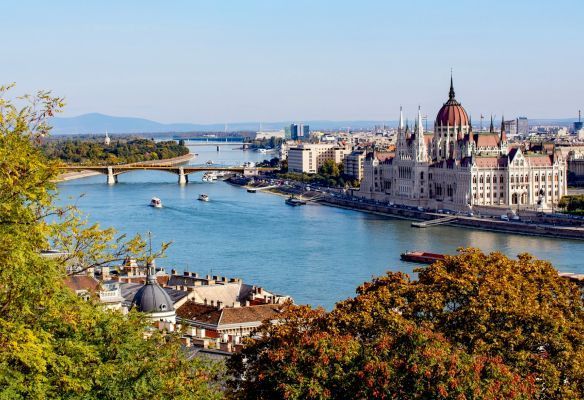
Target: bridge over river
column 112, row 171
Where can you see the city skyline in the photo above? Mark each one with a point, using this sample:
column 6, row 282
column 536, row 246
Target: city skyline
column 267, row 61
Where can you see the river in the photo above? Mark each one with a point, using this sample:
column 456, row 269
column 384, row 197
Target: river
column 316, row 254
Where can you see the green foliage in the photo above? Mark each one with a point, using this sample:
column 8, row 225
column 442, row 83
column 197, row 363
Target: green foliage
column 473, row 326
column 329, row 174
column 52, row 343
column 573, row 204
column 270, row 143
column 272, row 163
column 122, row 151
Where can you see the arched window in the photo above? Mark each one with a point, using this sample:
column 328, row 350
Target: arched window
column 512, row 180
column 474, row 179
column 494, row 178
column 481, row 180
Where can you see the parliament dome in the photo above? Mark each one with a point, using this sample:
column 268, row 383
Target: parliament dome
column 452, row 112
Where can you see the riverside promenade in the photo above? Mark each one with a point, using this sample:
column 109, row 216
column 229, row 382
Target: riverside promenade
column 553, row 226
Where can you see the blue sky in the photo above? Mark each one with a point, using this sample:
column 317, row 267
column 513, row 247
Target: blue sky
column 228, row 61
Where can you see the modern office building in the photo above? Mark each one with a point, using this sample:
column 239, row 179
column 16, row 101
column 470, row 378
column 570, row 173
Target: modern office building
column 299, row 131
column 522, row 126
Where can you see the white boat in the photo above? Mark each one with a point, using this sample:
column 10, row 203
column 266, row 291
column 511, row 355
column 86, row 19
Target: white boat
column 263, row 151
column 156, row 202
column 203, row 197
column 209, row 162
column 209, row 177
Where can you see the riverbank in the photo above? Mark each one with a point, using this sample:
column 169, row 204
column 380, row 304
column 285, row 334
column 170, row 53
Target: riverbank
column 531, row 227
column 68, row 176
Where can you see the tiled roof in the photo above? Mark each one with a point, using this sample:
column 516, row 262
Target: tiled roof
column 229, row 315
column 82, row 282
column 250, row 314
column 227, row 293
column 199, row 312
column 540, row 160
column 384, row 155
column 486, row 139
column 491, row 162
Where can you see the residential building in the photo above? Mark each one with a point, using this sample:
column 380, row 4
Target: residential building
column 308, row 158
column 353, row 164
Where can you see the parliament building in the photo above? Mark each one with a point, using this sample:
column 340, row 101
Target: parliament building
column 457, row 169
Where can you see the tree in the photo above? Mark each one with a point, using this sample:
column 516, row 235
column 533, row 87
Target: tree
column 473, row 326
column 52, row 343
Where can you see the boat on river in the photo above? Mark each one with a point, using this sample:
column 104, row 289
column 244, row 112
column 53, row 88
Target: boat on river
column 156, row 202
column 203, row 197
column 294, row 202
column 422, row 257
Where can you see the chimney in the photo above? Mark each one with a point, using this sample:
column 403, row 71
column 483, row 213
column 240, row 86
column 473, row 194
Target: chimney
column 216, row 278
column 213, row 303
column 186, row 273
column 208, row 277
column 223, row 279
column 219, row 304
column 194, row 275
column 205, row 301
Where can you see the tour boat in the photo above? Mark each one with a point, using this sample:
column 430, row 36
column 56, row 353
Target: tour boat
column 421, row 257
column 156, row 202
column 203, row 197
column 293, row 201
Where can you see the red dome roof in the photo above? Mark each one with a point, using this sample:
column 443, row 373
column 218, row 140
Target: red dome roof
column 452, row 113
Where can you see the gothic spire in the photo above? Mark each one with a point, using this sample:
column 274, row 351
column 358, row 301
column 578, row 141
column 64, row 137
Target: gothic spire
column 401, row 119
column 503, row 133
column 492, row 127
column 420, row 129
column 451, row 93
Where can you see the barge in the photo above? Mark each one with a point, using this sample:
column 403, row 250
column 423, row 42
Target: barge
column 422, row 257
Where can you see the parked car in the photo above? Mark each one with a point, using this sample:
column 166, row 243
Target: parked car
column 504, row 217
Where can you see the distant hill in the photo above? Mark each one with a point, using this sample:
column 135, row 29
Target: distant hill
column 96, row 123
column 100, row 123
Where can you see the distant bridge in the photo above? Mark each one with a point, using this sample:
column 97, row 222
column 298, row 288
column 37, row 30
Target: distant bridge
column 183, row 172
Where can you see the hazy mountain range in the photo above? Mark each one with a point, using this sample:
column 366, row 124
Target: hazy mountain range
column 99, row 123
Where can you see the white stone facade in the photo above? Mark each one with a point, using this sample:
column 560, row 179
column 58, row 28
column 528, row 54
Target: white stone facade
column 454, row 168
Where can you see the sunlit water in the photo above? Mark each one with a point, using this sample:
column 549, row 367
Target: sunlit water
column 316, row 254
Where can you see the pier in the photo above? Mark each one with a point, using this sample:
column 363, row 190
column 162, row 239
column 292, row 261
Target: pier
column 432, row 222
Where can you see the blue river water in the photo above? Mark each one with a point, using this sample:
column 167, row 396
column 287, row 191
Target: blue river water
column 316, row 254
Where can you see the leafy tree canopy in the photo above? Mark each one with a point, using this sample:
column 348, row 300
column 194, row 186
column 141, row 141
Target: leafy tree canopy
column 474, row 326
column 52, row 343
